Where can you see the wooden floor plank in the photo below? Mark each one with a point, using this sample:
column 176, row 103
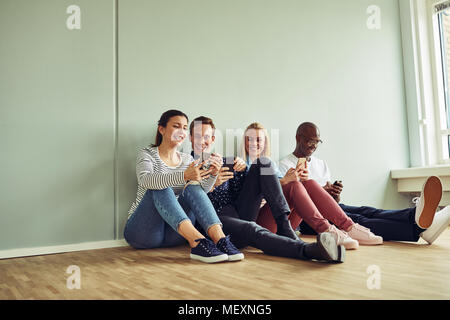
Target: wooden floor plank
column 407, row 271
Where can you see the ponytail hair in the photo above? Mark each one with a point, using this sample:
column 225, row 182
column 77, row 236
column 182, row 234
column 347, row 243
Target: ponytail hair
column 165, row 117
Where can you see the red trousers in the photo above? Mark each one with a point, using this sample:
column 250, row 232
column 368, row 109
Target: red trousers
column 309, row 201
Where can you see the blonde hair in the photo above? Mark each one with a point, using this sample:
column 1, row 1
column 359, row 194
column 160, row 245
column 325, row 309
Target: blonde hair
column 256, row 126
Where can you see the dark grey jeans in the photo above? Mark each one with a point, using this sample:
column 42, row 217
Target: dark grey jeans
column 239, row 219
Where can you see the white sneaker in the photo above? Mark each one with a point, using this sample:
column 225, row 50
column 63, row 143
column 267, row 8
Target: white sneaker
column 428, row 202
column 364, row 235
column 440, row 223
column 343, row 238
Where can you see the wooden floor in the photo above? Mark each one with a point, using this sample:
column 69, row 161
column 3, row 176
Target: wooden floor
column 407, row 271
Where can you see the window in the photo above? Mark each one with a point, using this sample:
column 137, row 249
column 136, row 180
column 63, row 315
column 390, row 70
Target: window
column 441, row 36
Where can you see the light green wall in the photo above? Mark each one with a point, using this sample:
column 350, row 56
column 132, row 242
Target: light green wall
column 276, row 62
column 56, row 122
column 279, row 62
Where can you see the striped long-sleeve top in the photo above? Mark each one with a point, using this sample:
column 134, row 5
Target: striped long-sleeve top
column 152, row 173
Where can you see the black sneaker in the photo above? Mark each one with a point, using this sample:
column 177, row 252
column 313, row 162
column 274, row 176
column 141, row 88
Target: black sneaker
column 206, row 251
column 227, row 247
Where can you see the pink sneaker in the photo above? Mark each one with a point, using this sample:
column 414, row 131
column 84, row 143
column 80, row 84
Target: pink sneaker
column 343, row 238
column 364, row 235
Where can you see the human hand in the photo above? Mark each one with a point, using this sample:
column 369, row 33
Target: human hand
column 239, row 165
column 303, row 174
column 291, row 175
column 194, row 172
column 223, row 176
column 334, row 189
column 216, row 163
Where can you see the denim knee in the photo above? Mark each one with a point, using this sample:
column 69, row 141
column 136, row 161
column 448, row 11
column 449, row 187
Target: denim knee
column 192, row 189
column 143, row 241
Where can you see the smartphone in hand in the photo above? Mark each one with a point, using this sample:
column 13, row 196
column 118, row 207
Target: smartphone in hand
column 229, row 163
column 204, row 158
column 337, row 182
column 301, row 163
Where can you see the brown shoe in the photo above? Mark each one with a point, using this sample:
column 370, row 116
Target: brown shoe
column 428, row 202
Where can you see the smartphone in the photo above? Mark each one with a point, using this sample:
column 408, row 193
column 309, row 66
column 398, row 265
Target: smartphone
column 229, row 163
column 204, row 158
column 337, row 182
column 301, row 163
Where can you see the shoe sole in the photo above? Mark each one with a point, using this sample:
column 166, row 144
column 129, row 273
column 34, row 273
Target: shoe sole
column 333, row 252
column 236, row 257
column 438, row 232
column 432, row 194
column 369, row 243
column 219, row 258
column 351, row 246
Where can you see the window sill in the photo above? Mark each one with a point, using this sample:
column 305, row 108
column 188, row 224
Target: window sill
column 410, row 180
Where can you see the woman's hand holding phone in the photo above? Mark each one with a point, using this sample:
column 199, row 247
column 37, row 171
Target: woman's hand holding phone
column 195, row 172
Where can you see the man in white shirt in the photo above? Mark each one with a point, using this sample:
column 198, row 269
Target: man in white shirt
column 400, row 225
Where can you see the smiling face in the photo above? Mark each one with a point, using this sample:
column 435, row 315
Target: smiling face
column 308, row 139
column 175, row 131
column 202, row 138
column 255, row 142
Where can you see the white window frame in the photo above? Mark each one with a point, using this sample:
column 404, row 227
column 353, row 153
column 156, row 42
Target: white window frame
column 424, row 88
column 438, row 74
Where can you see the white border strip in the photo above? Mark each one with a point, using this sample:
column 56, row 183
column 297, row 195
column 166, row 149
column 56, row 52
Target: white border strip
column 37, row 251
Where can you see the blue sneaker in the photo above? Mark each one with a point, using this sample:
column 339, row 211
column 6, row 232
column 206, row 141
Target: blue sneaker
column 206, row 251
column 227, row 247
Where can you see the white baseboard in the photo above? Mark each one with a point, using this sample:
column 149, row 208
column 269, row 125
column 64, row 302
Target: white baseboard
column 37, row 251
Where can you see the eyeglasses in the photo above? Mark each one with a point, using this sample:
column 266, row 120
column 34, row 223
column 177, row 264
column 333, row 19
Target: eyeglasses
column 312, row 142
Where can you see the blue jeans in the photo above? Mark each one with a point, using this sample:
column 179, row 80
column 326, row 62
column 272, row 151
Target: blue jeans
column 155, row 221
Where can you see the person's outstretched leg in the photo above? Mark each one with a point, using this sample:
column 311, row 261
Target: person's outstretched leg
column 385, row 223
column 403, row 215
column 401, row 225
column 248, row 233
column 389, row 230
column 303, row 207
column 392, row 225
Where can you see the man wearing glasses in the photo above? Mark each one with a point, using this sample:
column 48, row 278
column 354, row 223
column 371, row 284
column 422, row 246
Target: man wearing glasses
column 398, row 225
